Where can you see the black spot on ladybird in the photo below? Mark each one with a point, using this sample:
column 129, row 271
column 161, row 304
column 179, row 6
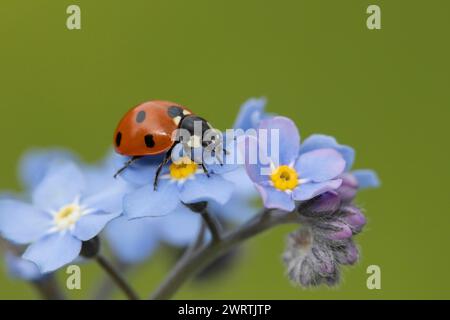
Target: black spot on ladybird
column 175, row 111
column 118, row 138
column 149, row 142
column 140, row 117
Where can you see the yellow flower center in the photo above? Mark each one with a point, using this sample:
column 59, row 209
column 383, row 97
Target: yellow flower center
column 183, row 168
column 284, row 178
column 67, row 216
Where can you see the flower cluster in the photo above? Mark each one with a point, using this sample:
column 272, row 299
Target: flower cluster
column 324, row 241
column 67, row 203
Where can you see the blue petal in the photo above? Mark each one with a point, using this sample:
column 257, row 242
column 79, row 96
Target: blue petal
column 96, row 179
column 90, row 225
column 53, row 251
column 105, row 193
column 276, row 199
column 133, row 241
column 142, row 171
column 145, row 202
column 35, row 163
column 321, row 141
column 320, row 165
column 100, row 175
column 21, row 268
column 62, row 185
column 254, row 163
column 240, row 206
column 288, row 140
column 221, row 169
column 308, row 191
column 366, row 178
column 180, row 228
column 237, row 210
column 349, row 156
column 243, row 185
column 318, row 141
column 251, row 113
column 22, row 223
column 110, row 199
column 203, row 188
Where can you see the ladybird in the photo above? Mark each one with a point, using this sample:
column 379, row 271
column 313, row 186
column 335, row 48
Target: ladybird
column 148, row 130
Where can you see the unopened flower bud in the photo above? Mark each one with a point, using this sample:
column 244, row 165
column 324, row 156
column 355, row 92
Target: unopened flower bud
column 353, row 217
column 340, row 224
column 334, row 230
column 309, row 262
column 346, row 253
column 325, row 204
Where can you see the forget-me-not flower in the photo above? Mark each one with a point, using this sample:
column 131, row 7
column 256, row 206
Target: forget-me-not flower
column 291, row 177
column 134, row 240
column 60, row 216
column 183, row 181
column 130, row 241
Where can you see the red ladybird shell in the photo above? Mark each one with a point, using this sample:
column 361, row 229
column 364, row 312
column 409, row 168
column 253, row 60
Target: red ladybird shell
column 147, row 128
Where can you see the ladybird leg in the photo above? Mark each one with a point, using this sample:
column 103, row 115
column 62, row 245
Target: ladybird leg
column 160, row 166
column 126, row 165
column 220, row 157
column 205, row 170
column 220, row 161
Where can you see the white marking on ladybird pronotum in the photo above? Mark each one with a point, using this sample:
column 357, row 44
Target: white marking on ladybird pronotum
column 177, row 120
column 194, row 142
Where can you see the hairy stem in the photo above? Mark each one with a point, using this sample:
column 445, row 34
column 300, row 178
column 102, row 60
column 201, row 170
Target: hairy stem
column 213, row 225
column 48, row 288
column 186, row 268
column 197, row 242
column 106, row 287
column 117, row 278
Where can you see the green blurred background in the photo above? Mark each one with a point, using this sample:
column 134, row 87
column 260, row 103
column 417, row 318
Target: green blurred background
column 385, row 92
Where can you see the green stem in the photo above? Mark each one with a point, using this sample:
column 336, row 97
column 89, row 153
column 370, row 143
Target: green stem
column 48, row 288
column 213, row 225
column 186, row 268
column 117, row 278
column 106, row 287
